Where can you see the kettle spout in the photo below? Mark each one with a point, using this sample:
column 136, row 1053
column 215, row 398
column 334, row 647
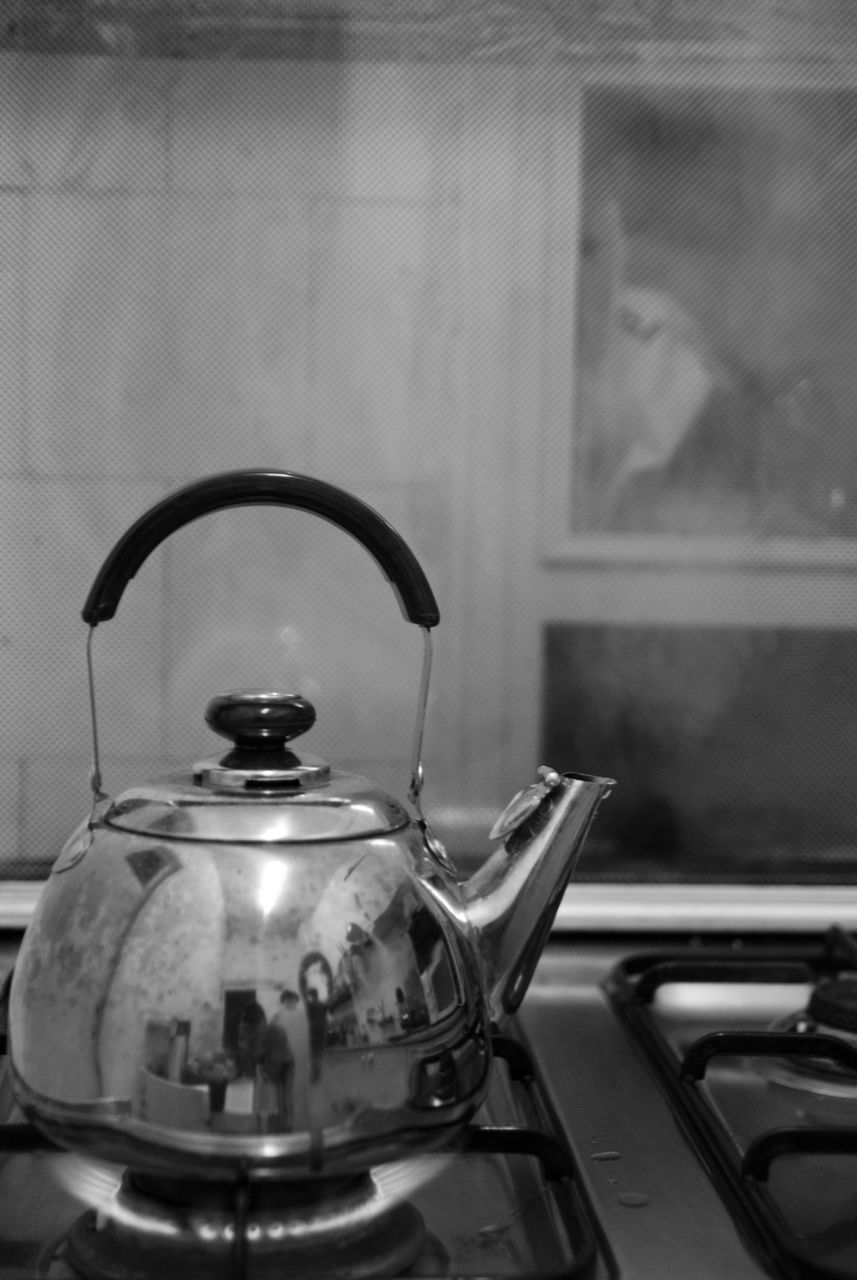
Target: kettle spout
column 512, row 899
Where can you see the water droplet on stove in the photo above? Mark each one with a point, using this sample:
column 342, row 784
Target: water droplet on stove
column 605, row 1155
column 633, row 1199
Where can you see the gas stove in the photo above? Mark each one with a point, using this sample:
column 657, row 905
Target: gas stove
column 663, row 1105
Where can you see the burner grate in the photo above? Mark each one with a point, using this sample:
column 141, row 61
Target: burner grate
column 779, row 1180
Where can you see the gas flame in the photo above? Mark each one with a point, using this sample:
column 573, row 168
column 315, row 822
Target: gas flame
column 95, row 1184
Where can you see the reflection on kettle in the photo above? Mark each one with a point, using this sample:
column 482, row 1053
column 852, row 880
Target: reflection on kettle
column 315, row 979
column 413, row 1013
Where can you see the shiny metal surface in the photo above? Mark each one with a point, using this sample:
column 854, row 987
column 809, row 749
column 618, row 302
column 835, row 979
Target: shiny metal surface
column 659, row 1210
column 293, row 1006
column 343, row 807
column 512, row 899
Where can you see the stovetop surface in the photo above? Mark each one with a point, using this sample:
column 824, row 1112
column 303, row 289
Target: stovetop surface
column 696, row 1105
column 659, row 1213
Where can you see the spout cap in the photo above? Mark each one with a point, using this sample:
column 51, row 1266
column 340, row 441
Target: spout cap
column 524, row 803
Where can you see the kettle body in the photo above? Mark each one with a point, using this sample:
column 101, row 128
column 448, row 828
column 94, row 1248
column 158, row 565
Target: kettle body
column 185, row 1004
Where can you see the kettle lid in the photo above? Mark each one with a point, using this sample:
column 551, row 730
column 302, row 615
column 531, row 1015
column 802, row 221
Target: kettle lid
column 261, row 791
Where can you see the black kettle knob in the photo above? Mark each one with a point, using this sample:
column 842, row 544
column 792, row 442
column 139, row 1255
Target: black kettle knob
column 260, row 721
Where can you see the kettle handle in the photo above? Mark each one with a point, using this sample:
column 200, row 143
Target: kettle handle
column 277, row 488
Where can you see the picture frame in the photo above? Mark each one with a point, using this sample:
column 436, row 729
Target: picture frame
column 701, row 399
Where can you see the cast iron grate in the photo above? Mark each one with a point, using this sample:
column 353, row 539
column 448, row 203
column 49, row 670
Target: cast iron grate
column 743, row 1176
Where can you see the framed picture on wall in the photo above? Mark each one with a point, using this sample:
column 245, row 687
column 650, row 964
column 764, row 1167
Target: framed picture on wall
column 709, row 307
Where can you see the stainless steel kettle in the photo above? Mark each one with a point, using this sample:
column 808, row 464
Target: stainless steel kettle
column 263, row 963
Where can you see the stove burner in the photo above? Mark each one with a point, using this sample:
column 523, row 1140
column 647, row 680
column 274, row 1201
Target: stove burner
column 260, row 1231
column 830, row 1011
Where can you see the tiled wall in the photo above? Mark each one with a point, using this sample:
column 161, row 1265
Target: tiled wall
column 208, row 266
column 364, row 271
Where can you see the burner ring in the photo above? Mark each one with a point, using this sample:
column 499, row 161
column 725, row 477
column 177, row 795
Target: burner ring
column 821, row 1078
column 348, row 1231
column 99, row 1250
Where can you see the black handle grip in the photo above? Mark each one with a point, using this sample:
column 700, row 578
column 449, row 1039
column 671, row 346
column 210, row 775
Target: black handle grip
column 277, row 488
